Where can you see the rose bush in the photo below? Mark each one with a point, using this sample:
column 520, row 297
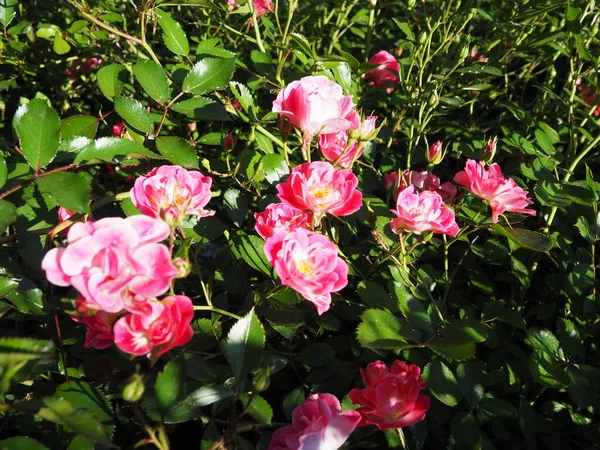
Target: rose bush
column 299, row 225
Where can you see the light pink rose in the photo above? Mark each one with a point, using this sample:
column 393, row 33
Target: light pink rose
column 392, row 398
column 279, row 217
column 334, row 147
column 321, row 188
column 99, row 332
column 317, row 424
column 502, row 194
column 387, row 74
column 157, row 327
column 315, row 105
column 111, row 260
column 308, row 263
column 424, row 181
column 172, row 193
column 421, row 212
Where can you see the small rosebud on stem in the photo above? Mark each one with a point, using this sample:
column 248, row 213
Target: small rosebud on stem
column 489, row 151
column 434, row 154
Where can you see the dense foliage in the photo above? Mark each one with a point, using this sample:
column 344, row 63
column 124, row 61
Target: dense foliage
column 494, row 295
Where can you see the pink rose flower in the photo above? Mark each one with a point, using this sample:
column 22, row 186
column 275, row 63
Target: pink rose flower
column 589, row 97
column 317, row 424
column 321, row 188
column 502, row 194
column 315, row 105
column 99, row 332
column 392, row 398
column 172, row 193
column 111, row 260
column 308, row 263
column 334, row 147
column 387, row 75
column 279, row 217
column 65, row 214
column 424, row 181
column 421, row 212
column 263, row 7
column 157, row 328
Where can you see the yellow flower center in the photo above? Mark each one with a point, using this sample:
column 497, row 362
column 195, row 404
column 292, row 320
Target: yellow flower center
column 321, row 193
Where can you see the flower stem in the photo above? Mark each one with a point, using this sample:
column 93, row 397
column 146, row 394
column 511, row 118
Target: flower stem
column 217, row 310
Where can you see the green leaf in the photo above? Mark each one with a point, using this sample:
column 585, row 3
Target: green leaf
column 465, row 429
column 243, row 94
column 543, row 340
column 455, row 348
column 87, row 397
column 202, row 108
column 80, row 125
column 405, row 27
column 442, row 383
column 105, row 149
column 173, row 35
column 21, row 442
column 585, row 229
column 470, row 380
column 264, row 143
column 549, row 371
column 16, row 350
column 7, row 11
column 8, row 214
column 209, row 74
column 498, row 408
column 258, row 408
column 38, row 128
column 3, row 171
column 380, row 329
column 153, row 79
column 110, row 80
column 178, row 151
column 376, row 296
column 481, row 69
column 60, row 46
column 244, row 345
column 292, row 400
column 76, row 420
column 250, row 248
column 468, row 329
column 27, row 297
column 236, row 206
column 134, row 113
column 411, row 307
column 169, row 384
column 525, row 238
column 69, row 190
column 274, row 167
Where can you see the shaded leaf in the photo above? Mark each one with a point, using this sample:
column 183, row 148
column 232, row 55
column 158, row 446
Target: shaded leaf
column 110, row 81
column 153, row 79
column 169, row 384
column 244, row 344
column 525, row 238
column 8, row 214
column 201, row 108
column 250, row 248
column 69, row 190
column 21, row 442
column 442, row 383
column 15, row 350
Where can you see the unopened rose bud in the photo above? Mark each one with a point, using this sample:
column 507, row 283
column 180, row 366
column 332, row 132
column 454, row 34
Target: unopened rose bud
column 411, row 4
column 434, row 99
column 134, row 389
column 252, row 136
column 261, row 380
column 434, row 154
column 464, row 52
column 368, row 129
column 373, row 3
column 285, row 126
column 490, row 150
column 183, row 266
column 228, row 142
column 423, row 37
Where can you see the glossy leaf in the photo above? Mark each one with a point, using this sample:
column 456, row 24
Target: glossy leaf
column 442, row 383
column 38, row 127
column 69, row 190
column 8, row 214
column 134, row 113
column 153, row 79
column 110, row 81
column 178, row 151
column 21, row 442
column 169, row 384
column 80, row 125
column 209, row 74
column 201, row 108
column 7, row 11
column 531, row 240
column 173, row 35
column 15, row 350
column 244, row 344
column 106, row 149
column 249, row 248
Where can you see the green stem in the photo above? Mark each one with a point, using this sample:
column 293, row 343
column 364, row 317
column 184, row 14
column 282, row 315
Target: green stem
column 259, row 41
column 274, row 139
column 217, row 310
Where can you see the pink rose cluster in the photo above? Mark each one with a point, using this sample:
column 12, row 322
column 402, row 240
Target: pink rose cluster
column 305, row 260
column 391, row 399
column 121, row 266
column 421, row 200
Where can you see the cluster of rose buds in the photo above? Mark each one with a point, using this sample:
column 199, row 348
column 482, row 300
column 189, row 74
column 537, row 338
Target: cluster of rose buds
column 120, row 266
column 391, row 399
